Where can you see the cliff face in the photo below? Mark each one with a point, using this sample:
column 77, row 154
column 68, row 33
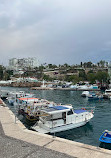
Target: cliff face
column 23, row 84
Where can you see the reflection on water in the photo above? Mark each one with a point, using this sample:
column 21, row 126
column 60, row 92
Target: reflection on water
column 105, row 145
column 76, row 133
column 89, row 133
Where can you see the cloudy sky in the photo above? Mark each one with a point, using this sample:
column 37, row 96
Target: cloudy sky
column 55, row 31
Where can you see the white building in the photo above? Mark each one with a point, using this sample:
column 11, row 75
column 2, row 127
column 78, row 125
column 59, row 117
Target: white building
column 23, row 64
column 109, row 71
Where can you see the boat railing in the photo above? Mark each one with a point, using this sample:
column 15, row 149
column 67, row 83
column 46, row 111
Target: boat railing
column 103, row 137
column 89, row 109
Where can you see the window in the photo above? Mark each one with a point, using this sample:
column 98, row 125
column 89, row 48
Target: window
column 70, row 112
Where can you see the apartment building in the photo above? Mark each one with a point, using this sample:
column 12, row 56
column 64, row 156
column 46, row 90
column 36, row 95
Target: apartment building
column 23, row 64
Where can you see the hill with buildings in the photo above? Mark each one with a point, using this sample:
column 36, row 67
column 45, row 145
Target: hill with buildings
column 30, row 67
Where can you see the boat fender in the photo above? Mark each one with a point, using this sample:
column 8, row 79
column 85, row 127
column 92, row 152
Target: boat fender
column 28, row 107
column 85, row 119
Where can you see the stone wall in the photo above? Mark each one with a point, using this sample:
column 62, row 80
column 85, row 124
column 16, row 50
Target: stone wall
column 23, row 84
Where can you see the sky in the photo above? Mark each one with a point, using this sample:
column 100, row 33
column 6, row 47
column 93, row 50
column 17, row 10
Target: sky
column 55, row 31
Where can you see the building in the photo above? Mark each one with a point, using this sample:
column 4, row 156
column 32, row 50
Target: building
column 23, row 64
column 109, row 71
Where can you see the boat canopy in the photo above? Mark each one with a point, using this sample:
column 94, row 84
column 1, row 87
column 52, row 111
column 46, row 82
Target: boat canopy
column 56, row 109
column 80, row 111
column 26, row 99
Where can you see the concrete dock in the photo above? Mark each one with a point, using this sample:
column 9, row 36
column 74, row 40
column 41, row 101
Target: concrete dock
column 62, row 89
column 17, row 141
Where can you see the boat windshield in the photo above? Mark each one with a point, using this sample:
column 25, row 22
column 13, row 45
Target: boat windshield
column 108, row 91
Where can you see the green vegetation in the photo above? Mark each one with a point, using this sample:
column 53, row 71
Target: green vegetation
column 47, row 78
column 1, row 72
column 5, row 74
column 73, row 78
column 86, row 71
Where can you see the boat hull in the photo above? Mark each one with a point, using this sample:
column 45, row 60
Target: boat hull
column 27, row 117
column 60, row 128
column 105, row 139
column 67, row 127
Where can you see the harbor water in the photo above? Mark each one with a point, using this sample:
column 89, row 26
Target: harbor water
column 88, row 134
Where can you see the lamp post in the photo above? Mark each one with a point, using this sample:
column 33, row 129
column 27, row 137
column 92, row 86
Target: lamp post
column 15, row 107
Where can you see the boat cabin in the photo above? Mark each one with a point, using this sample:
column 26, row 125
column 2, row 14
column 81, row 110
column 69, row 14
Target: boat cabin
column 60, row 115
column 61, row 118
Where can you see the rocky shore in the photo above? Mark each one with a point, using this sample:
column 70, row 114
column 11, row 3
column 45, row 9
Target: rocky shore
column 22, row 84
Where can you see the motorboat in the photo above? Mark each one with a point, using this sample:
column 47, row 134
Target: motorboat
column 62, row 118
column 74, row 86
column 12, row 98
column 105, row 137
column 94, row 96
column 85, row 93
column 4, row 94
column 107, row 94
column 31, row 107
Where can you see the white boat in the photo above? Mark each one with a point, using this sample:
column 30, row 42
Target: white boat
column 31, row 107
column 108, row 91
column 12, row 98
column 61, row 118
column 85, row 93
column 88, row 87
column 4, row 94
column 74, row 86
column 94, row 96
column 107, row 94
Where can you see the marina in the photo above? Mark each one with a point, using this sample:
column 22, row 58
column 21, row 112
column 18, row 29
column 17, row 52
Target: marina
column 55, row 79
column 30, row 143
column 89, row 133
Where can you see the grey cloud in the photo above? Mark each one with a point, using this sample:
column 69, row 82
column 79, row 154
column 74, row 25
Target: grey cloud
column 55, row 31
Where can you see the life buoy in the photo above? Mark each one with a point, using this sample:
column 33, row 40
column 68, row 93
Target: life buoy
column 83, row 109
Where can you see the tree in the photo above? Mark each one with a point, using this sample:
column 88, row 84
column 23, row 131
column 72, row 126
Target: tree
column 102, row 63
column 91, row 77
column 82, row 75
column 66, row 65
column 52, row 66
column 73, row 78
column 8, row 74
column 1, row 72
column 41, row 68
column 88, row 64
column 102, row 76
column 47, row 78
column 90, row 71
column 81, row 64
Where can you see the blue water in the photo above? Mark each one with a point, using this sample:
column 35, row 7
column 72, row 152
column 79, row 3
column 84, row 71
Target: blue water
column 88, row 134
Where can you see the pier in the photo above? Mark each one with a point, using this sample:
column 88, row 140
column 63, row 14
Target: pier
column 62, row 89
column 15, row 131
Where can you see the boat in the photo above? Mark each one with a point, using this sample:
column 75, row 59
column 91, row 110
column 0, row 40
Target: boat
column 4, row 94
column 30, row 108
column 105, row 137
column 94, row 96
column 88, row 87
column 85, row 93
column 12, row 98
column 107, row 94
column 62, row 118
